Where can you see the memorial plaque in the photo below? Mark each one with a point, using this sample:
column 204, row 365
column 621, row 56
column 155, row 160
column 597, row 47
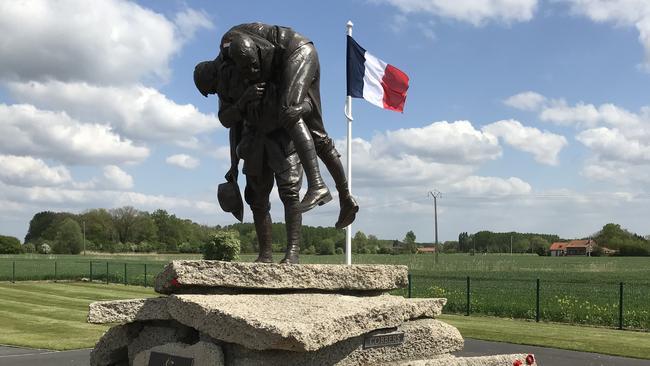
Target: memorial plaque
column 163, row 359
column 383, row 339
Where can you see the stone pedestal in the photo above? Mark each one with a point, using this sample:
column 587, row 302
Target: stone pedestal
column 221, row 313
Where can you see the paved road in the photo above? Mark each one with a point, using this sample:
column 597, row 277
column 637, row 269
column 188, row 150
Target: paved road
column 547, row 356
column 11, row 356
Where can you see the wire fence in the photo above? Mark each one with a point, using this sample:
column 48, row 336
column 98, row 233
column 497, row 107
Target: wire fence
column 620, row 305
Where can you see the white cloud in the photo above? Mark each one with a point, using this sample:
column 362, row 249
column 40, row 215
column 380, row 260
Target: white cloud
column 117, row 178
column 189, row 21
column 27, row 171
column 102, row 41
column 441, row 142
column 545, row 146
column 611, row 144
column 136, row 111
column 628, row 13
column 494, row 186
column 25, row 130
column 183, row 161
column 527, row 101
column 471, row 11
column 560, row 113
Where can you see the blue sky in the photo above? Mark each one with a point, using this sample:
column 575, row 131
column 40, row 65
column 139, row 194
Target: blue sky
column 527, row 115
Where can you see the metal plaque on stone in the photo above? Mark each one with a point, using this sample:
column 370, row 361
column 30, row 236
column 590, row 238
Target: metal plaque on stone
column 163, row 359
column 377, row 339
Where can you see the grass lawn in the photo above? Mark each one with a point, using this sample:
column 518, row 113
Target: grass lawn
column 53, row 316
column 585, row 339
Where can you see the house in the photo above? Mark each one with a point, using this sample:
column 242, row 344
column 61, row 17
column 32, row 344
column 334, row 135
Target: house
column 558, row 249
column 425, row 250
column 580, row 247
column 574, row 247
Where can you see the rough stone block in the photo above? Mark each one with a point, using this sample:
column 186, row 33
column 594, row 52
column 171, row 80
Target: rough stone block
column 203, row 353
column 157, row 333
column 112, row 347
column 423, row 338
column 496, row 360
column 197, row 276
column 295, row 322
column 127, row 311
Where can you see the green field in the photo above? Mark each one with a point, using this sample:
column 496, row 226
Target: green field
column 579, row 290
column 53, row 316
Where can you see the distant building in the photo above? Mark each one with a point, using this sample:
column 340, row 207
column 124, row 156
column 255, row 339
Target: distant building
column 425, row 250
column 558, row 249
column 572, row 248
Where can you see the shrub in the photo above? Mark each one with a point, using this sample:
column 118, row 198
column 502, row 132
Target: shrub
column 339, row 250
column 29, row 248
column 223, row 246
column 45, row 248
column 9, row 245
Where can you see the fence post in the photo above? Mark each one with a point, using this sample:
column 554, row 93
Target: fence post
column 410, row 285
column 537, row 303
column 620, row 307
column 55, row 272
column 107, row 272
column 125, row 281
column 91, row 271
column 145, row 275
column 468, row 297
column 13, row 272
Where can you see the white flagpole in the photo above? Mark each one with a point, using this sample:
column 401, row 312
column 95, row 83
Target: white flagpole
column 348, row 115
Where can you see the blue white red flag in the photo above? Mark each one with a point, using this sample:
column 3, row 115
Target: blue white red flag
column 374, row 80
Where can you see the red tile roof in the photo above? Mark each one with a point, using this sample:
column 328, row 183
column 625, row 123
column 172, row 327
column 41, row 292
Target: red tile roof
column 580, row 243
column 558, row 246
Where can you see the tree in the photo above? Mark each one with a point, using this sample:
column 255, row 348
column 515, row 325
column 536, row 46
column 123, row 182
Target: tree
column 359, row 242
column 68, row 238
column 99, row 227
column 38, row 224
column 539, row 245
column 9, row 245
column 45, row 248
column 124, row 221
column 463, row 242
column 325, row 246
column 409, row 241
column 224, row 246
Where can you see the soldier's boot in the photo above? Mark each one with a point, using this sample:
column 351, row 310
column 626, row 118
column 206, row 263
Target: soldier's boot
column 293, row 219
column 348, row 204
column 263, row 231
column 317, row 192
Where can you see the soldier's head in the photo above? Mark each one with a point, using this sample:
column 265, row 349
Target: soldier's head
column 205, row 77
column 246, row 55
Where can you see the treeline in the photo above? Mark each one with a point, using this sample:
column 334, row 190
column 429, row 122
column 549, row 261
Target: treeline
column 614, row 237
column 491, row 242
column 127, row 229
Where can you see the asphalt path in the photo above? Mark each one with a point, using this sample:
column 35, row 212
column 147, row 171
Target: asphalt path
column 13, row 356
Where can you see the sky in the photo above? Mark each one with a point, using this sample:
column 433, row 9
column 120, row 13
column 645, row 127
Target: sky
column 526, row 115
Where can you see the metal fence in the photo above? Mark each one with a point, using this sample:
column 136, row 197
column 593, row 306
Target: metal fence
column 619, row 305
column 107, row 271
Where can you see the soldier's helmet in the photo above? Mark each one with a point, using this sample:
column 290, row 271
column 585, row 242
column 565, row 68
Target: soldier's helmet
column 230, row 199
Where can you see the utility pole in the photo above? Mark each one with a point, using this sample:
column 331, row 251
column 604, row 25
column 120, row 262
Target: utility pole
column 84, row 222
column 435, row 194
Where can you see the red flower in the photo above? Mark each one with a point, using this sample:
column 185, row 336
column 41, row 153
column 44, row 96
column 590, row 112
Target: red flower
column 517, row 362
column 174, row 282
column 530, row 359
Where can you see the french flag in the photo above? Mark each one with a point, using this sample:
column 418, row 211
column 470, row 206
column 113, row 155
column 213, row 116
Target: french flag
column 374, row 80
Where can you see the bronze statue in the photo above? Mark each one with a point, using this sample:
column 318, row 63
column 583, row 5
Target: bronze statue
column 267, row 79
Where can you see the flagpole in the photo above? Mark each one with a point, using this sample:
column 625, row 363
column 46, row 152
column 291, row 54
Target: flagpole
column 348, row 116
